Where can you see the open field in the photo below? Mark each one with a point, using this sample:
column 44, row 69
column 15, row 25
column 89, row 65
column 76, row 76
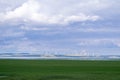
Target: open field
column 59, row 70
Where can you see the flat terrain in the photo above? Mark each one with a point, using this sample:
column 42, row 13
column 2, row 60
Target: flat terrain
column 59, row 70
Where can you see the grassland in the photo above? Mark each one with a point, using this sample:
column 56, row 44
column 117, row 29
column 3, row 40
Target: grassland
column 59, row 70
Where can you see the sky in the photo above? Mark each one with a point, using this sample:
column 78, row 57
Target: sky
column 60, row 25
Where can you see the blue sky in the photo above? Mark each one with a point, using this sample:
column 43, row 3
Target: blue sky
column 60, row 25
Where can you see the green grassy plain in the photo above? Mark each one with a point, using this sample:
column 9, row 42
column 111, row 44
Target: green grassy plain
column 59, row 70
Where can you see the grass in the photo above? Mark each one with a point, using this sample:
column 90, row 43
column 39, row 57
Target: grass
column 59, row 70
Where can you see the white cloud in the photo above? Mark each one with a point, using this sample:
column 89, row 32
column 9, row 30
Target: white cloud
column 25, row 11
column 34, row 28
column 99, row 42
column 10, row 33
column 39, row 12
column 20, row 45
column 117, row 42
column 31, row 19
column 81, row 17
column 7, row 5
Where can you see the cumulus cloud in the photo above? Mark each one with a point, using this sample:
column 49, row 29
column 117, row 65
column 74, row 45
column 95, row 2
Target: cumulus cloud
column 7, row 5
column 43, row 23
column 33, row 10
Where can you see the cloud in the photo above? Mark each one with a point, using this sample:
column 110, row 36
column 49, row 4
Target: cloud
column 33, row 10
column 57, row 23
column 8, row 5
column 117, row 43
column 10, row 33
column 34, row 28
column 99, row 43
column 25, row 11
column 57, row 11
column 22, row 45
